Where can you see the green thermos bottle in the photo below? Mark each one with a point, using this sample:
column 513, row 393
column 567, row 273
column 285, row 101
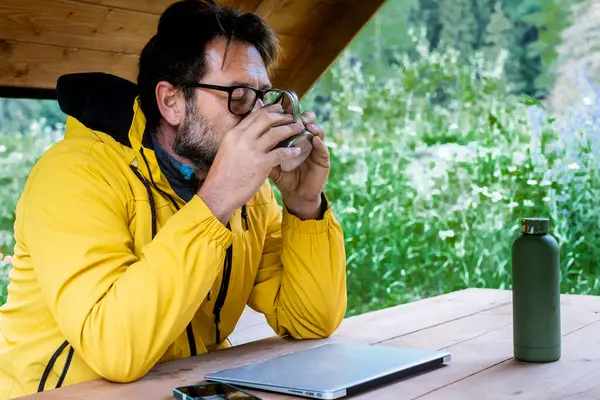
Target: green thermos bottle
column 536, row 293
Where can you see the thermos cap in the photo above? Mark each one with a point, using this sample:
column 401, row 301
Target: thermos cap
column 535, row 226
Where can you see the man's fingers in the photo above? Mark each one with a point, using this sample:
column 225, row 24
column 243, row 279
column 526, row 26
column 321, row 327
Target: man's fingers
column 309, row 117
column 253, row 117
column 278, row 156
column 277, row 134
column 317, row 130
column 266, row 121
column 320, row 154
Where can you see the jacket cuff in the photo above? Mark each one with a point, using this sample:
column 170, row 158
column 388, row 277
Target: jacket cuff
column 310, row 226
column 208, row 223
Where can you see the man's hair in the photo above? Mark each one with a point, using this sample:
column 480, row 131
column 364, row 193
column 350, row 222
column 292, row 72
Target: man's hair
column 176, row 53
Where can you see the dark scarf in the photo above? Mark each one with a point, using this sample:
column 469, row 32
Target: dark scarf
column 181, row 177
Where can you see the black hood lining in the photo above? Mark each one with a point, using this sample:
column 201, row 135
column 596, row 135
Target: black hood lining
column 100, row 101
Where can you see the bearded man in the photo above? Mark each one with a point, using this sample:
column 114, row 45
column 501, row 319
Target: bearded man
column 142, row 236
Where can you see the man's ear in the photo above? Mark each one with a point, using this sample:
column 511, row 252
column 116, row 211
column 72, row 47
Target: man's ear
column 171, row 103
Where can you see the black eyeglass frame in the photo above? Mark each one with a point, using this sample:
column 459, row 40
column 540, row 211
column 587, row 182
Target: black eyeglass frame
column 258, row 93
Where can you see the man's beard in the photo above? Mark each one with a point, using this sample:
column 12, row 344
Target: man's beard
column 195, row 141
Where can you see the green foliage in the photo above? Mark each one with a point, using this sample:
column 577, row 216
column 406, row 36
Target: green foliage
column 17, row 115
column 459, row 25
column 550, row 19
column 434, row 167
column 496, row 35
column 530, row 30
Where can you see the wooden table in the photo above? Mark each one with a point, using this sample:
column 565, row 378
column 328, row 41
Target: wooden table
column 475, row 325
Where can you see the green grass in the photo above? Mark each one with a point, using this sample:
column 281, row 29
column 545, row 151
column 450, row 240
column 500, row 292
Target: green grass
column 432, row 169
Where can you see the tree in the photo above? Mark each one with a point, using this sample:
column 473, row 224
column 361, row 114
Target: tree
column 459, row 25
column 497, row 30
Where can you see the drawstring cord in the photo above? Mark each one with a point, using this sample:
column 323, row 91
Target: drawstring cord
column 245, row 215
column 189, row 329
column 226, row 268
column 190, row 333
column 51, row 363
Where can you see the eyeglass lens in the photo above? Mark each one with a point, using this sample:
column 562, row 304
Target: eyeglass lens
column 243, row 99
column 280, row 97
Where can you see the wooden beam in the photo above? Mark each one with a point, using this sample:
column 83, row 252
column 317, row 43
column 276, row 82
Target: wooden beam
column 156, row 7
column 307, row 18
column 293, row 50
column 39, row 66
column 333, row 40
column 27, row 93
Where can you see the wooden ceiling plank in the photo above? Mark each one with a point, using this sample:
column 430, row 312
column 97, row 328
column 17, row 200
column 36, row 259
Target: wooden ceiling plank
column 111, row 38
column 157, row 7
column 39, row 66
column 244, row 5
column 329, row 44
column 79, row 25
column 64, row 23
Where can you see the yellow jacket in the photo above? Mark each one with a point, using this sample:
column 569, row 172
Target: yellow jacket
column 91, row 287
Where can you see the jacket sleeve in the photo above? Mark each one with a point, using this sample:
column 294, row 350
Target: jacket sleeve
column 119, row 311
column 301, row 282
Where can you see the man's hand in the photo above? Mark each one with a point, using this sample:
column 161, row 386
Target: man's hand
column 245, row 160
column 301, row 188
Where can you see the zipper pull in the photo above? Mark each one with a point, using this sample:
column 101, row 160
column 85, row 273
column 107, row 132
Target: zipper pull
column 208, row 295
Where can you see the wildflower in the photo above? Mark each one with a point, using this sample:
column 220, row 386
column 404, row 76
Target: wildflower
column 446, row 234
column 356, row 109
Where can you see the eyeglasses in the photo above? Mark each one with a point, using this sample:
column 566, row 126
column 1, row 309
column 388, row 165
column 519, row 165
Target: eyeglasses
column 241, row 98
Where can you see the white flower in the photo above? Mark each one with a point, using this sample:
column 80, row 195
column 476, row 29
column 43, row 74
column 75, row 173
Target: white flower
column 356, row 109
column 446, row 234
column 453, row 126
column 587, row 101
column 532, row 182
column 2, row 148
column 574, row 166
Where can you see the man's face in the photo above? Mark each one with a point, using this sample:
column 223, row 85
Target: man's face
column 207, row 117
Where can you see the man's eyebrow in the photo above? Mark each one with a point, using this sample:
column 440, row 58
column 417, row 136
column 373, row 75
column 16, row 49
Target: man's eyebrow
column 242, row 83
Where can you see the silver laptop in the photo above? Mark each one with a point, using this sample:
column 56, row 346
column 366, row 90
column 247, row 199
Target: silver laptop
column 332, row 370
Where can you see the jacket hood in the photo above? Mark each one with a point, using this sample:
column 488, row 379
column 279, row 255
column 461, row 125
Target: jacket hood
column 100, row 101
column 110, row 104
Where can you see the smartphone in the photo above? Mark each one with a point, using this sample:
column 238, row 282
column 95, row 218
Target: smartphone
column 211, row 391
